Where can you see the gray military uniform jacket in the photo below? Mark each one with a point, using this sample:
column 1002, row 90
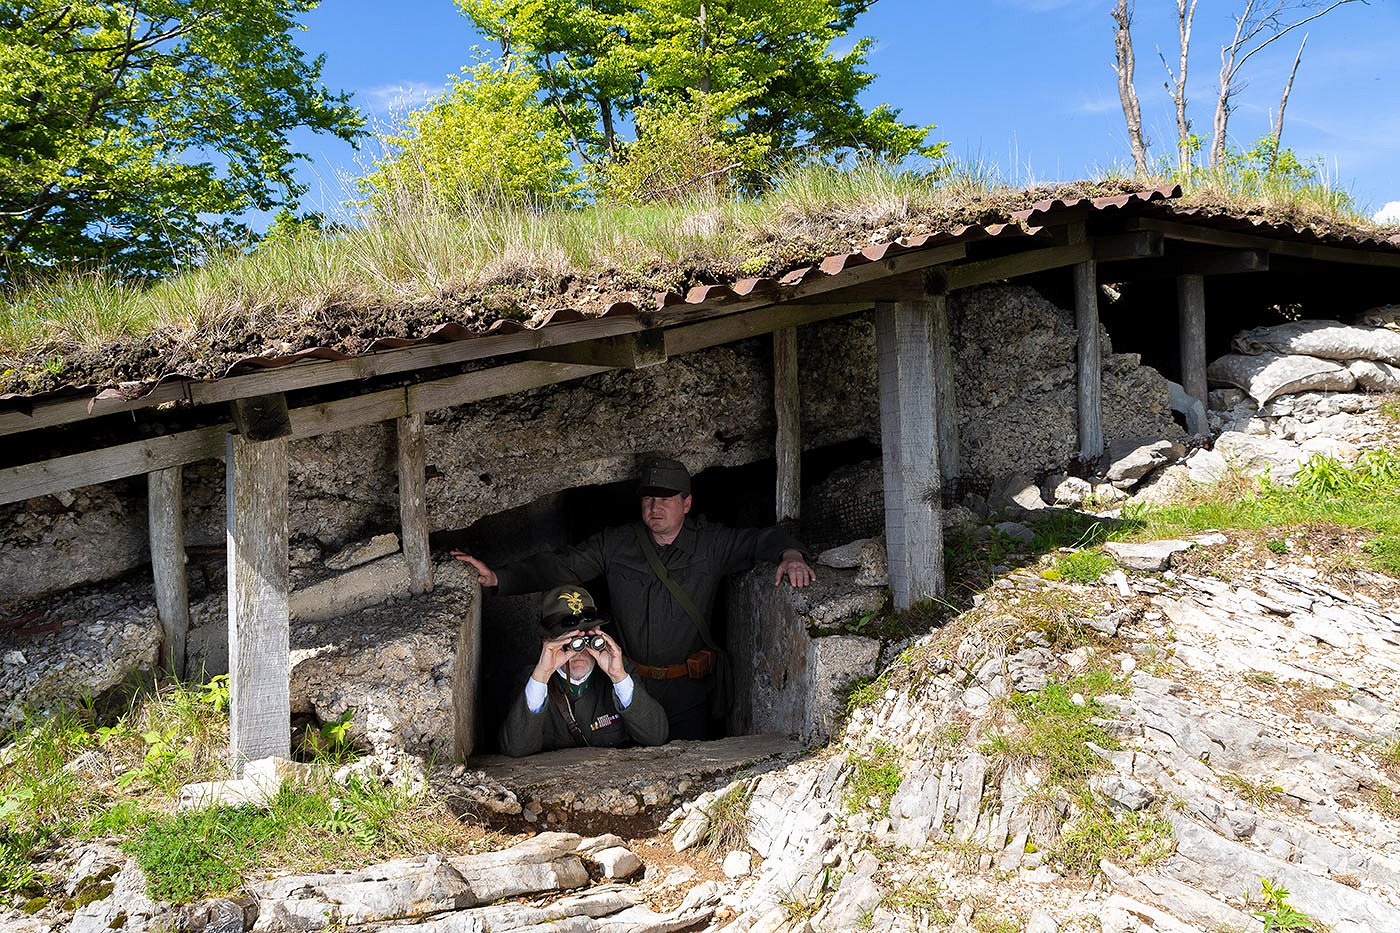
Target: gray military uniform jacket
column 595, row 711
column 650, row 625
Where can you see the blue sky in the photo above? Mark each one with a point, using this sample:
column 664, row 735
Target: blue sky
column 1024, row 85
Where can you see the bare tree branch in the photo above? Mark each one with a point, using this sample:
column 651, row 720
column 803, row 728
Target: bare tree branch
column 1283, row 103
column 1127, row 94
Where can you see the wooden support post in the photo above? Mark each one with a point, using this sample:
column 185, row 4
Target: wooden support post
column 166, row 522
column 466, row 678
column 1191, row 317
column 413, row 509
column 787, row 445
column 259, row 663
column 1090, row 361
column 946, row 416
column 904, row 335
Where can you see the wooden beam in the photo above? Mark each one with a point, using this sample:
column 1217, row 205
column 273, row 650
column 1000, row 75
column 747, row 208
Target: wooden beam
column 165, row 518
column 1017, row 264
column 466, row 676
column 262, row 418
column 624, row 351
column 944, row 394
column 904, row 335
column 258, row 651
column 1189, row 233
column 1225, row 263
column 413, row 509
column 1191, row 319
column 103, row 465
column 1136, row 244
column 724, row 330
column 1089, row 362
column 787, row 443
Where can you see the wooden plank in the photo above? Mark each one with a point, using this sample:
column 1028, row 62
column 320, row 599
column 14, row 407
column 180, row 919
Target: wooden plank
column 1089, row 362
column 1225, row 263
column 165, row 518
column 258, row 651
column 262, row 418
column 944, row 394
column 44, row 477
column 413, row 509
column 624, row 351
column 1136, row 244
column 1175, row 230
column 816, row 283
column 787, row 443
column 466, row 677
column 493, row 383
column 49, row 414
column 1191, row 318
column 1017, row 264
column 904, row 335
column 713, row 333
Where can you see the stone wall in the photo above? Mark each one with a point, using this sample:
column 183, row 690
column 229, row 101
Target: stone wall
column 1014, row 357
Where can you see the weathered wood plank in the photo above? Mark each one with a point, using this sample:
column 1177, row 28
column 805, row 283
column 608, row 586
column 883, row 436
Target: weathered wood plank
column 904, row 334
column 259, row 659
column 1188, row 233
column 944, row 394
column 1089, row 360
column 466, row 677
column 1017, row 264
column 1136, row 244
column 493, row 383
column 624, row 351
column 787, row 443
column 1226, row 263
column 165, row 518
column 262, row 418
column 713, row 333
column 413, row 509
column 1191, row 318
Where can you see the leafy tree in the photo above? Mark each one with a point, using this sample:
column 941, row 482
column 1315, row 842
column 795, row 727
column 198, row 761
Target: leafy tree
column 490, row 135
column 125, row 126
column 754, row 79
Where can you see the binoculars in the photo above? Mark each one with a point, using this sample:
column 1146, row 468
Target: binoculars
column 581, row 641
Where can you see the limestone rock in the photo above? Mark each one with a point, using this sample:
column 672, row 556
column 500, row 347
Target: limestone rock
column 617, row 862
column 362, row 552
column 737, row 864
column 1016, row 532
column 1130, row 459
column 1015, row 491
column 845, row 557
column 1206, row 467
column 1255, row 456
column 127, row 907
column 1071, row 491
column 874, row 564
column 1155, row 556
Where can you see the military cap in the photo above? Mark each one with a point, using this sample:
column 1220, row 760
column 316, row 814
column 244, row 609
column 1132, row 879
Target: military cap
column 663, row 478
column 567, row 609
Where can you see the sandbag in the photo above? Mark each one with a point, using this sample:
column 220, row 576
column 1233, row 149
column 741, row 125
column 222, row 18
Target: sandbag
column 1375, row 377
column 1328, row 340
column 1271, row 374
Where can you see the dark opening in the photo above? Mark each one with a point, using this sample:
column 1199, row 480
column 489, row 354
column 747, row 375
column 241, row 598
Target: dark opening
column 741, row 496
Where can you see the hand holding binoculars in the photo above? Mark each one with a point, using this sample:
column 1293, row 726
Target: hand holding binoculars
column 584, row 640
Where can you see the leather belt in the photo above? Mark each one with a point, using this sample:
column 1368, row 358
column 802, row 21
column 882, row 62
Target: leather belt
column 699, row 664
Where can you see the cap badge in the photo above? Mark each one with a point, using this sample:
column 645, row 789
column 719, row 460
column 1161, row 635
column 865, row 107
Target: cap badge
column 574, row 601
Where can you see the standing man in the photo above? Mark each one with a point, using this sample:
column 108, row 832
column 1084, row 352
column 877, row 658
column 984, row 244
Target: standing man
column 580, row 691
column 663, row 575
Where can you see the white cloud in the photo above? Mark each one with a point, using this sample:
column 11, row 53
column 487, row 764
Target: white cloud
column 396, row 98
column 1390, row 214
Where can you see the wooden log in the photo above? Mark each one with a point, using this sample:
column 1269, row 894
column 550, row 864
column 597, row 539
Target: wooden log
column 1028, row 262
column 166, row 523
column 466, row 677
column 787, row 444
column 261, row 418
column 1191, row 318
column 259, row 660
column 904, row 334
column 624, row 351
column 413, row 509
column 946, row 415
column 1090, row 362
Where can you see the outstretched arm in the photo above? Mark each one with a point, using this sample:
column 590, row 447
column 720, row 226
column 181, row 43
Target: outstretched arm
column 484, row 574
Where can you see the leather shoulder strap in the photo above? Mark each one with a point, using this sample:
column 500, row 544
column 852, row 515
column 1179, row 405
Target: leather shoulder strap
column 566, row 709
column 682, row 599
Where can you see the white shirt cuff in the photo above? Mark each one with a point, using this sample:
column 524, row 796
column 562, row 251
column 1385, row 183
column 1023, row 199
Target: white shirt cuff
column 623, row 691
column 535, row 695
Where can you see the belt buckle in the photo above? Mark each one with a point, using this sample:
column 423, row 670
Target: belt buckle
column 659, row 672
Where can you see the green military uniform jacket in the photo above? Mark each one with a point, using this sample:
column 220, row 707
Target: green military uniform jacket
column 595, row 711
column 651, row 627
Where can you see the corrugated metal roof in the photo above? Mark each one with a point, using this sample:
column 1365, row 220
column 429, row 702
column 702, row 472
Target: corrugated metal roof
column 676, row 307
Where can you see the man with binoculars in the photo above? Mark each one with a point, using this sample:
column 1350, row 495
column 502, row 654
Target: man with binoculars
column 581, row 691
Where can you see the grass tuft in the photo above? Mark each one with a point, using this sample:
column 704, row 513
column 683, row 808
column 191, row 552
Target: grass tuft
column 1099, row 831
column 875, row 776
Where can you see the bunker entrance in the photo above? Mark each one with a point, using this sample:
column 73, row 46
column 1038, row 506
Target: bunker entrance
column 841, row 502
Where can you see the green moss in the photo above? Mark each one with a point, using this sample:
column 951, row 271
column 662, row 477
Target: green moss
column 34, row 905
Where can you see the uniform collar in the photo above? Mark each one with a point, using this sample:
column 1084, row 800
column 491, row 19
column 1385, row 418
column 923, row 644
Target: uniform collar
column 685, row 538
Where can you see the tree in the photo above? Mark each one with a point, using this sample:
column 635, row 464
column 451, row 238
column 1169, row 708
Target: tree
column 1176, row 83
column 758, row 73
column 490, row 135
column 124, row 127
column 1127, row 94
